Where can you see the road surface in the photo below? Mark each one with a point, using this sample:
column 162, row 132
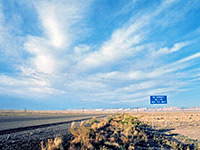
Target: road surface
column 10, row 124
column 27, row 131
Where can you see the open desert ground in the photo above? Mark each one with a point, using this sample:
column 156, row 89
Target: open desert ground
column 185, row 123
column 26, row 129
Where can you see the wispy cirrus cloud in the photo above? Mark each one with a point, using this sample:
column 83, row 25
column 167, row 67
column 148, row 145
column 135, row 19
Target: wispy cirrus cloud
column 47, row 53
column 135, row 60
column 176, row 47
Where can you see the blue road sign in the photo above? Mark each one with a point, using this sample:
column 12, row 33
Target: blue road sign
column 158, row 99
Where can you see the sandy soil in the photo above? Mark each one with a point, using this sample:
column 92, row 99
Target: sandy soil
column 184, row 123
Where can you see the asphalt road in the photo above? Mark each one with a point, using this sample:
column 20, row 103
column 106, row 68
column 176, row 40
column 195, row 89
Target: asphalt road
column 17, row 123
column 19, row 132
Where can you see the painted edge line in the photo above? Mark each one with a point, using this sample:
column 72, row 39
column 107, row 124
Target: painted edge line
column 8, row 131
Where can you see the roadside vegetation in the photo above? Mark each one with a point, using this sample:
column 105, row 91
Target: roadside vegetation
column 118, row 132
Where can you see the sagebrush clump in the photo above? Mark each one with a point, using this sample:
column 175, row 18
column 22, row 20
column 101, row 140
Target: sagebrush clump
column 121, row 131
column 51, row 144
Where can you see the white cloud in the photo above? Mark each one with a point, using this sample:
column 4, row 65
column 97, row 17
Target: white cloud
column 43, row 59
column 48, row 52
column 48, row 14
column 45, row 64
column 130, row 101
column 197, row 55
column 175, row 48
column 122, row 44
column 59, row 26
column 46, row 90
column 121, row 69
column 27, row 86
column 81, row 49
column 58, row 19
column 144, row 96
column 136, row 75
column 116, row 48
column 143, row 74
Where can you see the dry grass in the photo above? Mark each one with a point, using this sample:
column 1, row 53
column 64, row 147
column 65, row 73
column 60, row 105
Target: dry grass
column 121, row 131
column 186, row 123
column 174, row 119
column 51, row 144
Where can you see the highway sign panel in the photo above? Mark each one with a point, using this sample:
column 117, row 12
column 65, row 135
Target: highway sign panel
column 158, row 99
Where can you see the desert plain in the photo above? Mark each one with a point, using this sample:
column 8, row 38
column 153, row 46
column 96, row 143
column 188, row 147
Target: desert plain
column 29, row 129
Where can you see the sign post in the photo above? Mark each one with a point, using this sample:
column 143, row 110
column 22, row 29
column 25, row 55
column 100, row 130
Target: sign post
column 158, row 99
column 165, row 117
column 152, row 118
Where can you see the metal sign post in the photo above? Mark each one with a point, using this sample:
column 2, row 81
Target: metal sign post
column 158, row 99
column 152, row 118
column 165, row 117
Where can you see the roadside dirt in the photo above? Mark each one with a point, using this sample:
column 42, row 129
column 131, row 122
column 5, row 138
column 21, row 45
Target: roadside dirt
column 26, row 137
column 30, row 140
column 192, row 133
column 184, row 123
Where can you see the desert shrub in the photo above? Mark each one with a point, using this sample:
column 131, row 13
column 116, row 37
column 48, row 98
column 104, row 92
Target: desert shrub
column 51, row 144
column 122, row 131
column 93, row 120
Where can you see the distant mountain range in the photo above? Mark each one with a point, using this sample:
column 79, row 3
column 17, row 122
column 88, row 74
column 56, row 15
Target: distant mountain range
column 147, row 109
column 103, row 110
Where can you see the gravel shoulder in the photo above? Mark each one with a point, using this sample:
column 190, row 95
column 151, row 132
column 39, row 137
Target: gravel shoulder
column 12, row 122
column 31, row 136
column 30, row 139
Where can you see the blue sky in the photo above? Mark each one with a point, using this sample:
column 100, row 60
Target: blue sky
column 62, row 54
